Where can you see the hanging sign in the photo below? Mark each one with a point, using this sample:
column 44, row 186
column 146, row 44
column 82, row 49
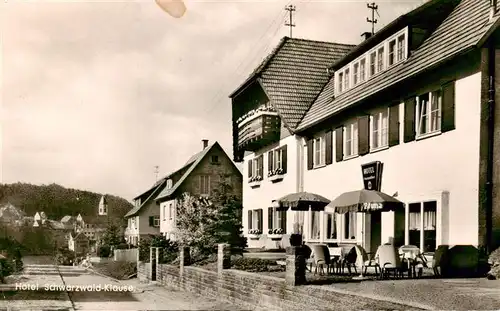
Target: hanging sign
column 372, row 175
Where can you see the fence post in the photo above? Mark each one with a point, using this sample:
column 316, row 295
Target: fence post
column 181, row 261
column 295, row 266
column 223, row 257
column 159, row 258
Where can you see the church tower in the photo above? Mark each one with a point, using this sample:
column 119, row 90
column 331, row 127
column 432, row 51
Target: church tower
column 103, row 206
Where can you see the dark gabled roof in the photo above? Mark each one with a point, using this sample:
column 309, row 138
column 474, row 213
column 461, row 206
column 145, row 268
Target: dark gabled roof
column 137, row 209
column 464, row 29
column 293, row 75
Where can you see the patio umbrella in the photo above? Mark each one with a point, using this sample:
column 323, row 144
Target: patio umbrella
column 301, row 201
column 364, row 201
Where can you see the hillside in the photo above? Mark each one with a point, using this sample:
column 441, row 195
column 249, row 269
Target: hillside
column 57, row 201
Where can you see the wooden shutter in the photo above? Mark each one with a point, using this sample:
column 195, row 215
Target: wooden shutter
column 310, row 153
column 448, row 107
column 394, row 124
column 270, row 218
column 250, row 168
column 409, row 122
column 329, row 147
column 270, row 160
column 261, row 164
column 259, row 213
column 283, row 221
column 151, row 221
column 250, row 220
column 339, row 144
column 284, row 158
column 363, row 135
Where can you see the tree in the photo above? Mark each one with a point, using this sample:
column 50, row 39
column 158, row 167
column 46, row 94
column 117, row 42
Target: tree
column 111, row 236
column 203, row 223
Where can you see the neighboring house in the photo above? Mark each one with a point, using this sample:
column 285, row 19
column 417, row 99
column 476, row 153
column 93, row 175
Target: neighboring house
column 79, row 243
column 201, row 173
column 69, row 222
column 274, row 109
column 419, row 96
column 144, row 219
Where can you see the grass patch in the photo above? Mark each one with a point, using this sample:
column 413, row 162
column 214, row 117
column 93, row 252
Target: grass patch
column 120, row 270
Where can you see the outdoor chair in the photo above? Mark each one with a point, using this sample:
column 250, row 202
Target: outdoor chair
column 364, row 260
column 321, row 258
column 308, row 256
column 413, row 257
column 440, row 260
column 388, row 260
column 349, row 260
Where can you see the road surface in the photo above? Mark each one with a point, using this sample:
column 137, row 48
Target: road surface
column 50, row 287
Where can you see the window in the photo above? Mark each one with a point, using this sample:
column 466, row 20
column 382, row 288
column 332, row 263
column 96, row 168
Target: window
column 156, row 221
column 401, row 47
column 373, row 59
column 350, row 224
column 133, row 223
column 380, row 59
column 215, row 159
column 255, row 220
column 138, row 202
column 277, row 219
column 422, row 225
column 204, row 185
column 392, row 52
column 319, row 147
column 362, row 70
column 171, row 211
column 256, row 168
column 315, row 228
column 331, row 226
column 346, row 79
column 164, row 212
column 380, row 129
column 429, row 113
column 355, row 74
column 277, row 159
column 351, row 139
column 169, row 183
column 341, row 80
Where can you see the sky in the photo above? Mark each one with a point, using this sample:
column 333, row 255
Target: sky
column 95, row 94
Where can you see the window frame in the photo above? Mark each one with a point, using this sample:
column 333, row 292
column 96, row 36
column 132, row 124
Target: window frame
column 380, row 129
column 321, row 151
column 311, row 213
column 277, row 217
column 420, row 220
column 156, row 221
column 429, row 112
column 345, row 225
column 277, row 159
column 336, row 225
column 352, row 140
column 203, row 179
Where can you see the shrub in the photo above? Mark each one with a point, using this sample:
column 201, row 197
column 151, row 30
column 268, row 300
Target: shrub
column 254, row 264
column 65, row 257
column 104, row 251
column 120, row 270
column 6, row 269
column 494, row 261
column 122, row 246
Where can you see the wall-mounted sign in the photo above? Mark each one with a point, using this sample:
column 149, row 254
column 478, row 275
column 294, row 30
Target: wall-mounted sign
column 372, row 175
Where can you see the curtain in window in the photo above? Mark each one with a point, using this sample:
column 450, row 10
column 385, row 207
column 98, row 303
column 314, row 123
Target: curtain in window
column 429, row 220
column 436, row 111
column 352, row 225
column 315, row 228
column 414, row 221
column 331, row 226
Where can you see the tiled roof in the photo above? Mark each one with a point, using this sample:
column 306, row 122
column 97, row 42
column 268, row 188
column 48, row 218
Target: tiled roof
column 136, row 209
column 294, row 73
column 462, row 30
column 199, row 156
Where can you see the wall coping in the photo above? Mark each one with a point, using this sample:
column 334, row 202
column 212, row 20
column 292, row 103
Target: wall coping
column 254, row 275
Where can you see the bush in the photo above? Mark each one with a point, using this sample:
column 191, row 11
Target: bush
column 65, row 257
column 494, row 261
column 104, row 251
column 255, row 264
column 120, row 270
column 122, row 246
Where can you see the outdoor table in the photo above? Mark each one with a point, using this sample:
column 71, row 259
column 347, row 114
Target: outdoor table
column 411, row 256
column 336, row 256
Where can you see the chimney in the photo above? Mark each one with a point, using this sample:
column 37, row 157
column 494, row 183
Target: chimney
column 493, row 8
column 367, row 35
column 205, row 143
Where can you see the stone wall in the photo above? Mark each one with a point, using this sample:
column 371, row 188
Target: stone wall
column 143, row 271
column 129, row 255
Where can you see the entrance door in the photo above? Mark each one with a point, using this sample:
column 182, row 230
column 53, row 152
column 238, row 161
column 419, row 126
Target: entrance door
column 375, row 231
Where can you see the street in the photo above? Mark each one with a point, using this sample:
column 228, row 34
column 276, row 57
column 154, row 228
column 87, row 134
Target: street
column 41, row 287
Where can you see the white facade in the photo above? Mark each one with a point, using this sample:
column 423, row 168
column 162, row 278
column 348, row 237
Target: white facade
column 167, row 219
column 441, row 167
column 132, row 230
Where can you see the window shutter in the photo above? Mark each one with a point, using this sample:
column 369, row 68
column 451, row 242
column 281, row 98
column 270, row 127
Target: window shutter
column 151, row 221
column 394, row 125
column 250, row 220
column 270, row 160
column 250, row 168
column 363, row 135
column 339, row 144
column 270, row 218
column 283, row 158
column 283, row 221
column 329, row 147
column 409, row 122
column 310, row 154
column 260, row 219
column 261, row 164
column 448, row 107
